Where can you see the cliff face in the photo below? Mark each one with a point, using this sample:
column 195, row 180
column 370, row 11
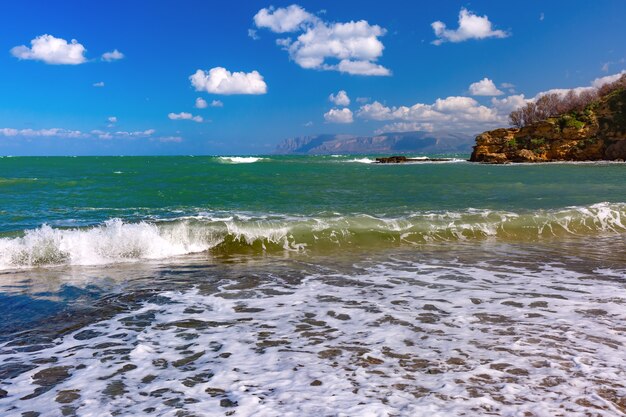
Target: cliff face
column 597, row 133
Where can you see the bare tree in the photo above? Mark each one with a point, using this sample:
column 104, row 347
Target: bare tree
column 553, row 104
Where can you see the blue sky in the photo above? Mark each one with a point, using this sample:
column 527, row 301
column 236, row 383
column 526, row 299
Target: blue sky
column 275, row 72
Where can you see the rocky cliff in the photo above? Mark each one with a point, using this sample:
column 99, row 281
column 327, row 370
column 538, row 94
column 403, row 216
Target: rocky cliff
column 596, row 133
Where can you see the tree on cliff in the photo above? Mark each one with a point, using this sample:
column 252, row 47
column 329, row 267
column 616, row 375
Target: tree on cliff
column 554, row 104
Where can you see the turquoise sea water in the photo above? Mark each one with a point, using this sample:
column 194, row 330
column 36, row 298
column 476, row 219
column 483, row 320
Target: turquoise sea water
column 322, row 285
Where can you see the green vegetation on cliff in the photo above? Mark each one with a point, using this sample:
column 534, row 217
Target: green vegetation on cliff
column 587, row 126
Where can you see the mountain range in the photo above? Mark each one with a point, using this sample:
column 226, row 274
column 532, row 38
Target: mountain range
column 403, row 142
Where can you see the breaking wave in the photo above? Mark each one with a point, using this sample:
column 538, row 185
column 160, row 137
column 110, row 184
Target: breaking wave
column 117, row 241
column 240, row 159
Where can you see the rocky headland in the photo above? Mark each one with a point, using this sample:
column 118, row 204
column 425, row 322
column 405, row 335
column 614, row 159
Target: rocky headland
column 591, row 129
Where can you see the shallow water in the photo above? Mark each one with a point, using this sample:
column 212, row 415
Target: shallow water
column 313, row 286
column 470, row 329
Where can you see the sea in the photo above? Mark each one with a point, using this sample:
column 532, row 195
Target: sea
column 311, row 286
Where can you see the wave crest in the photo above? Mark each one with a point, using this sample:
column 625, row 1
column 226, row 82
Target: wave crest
column 118, row 241
column 240, row 159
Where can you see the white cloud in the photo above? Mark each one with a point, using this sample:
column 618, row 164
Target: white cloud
column 283, row 19
column 508, row 104
column 52, row 132
column 308, row 124
column 339, row 116
column 52, row 50
column 139, row 134
column 375, row 111
column 462, row 114
column 351, row 47
column 98, row 84
column 201, row 103
column 363, row 100
column 599, row 82
column 219, row 80
column 484, row 87
column 114, row 55
column 340, row 99
column 112, row 119
column 185, row 116
column 362, row 68
column 252, row 34
column 67, row 133
column 405, row 127
column 217, row 103
column 168, row 139
column 471, row 26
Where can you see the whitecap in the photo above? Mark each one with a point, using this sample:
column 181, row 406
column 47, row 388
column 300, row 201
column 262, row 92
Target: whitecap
column 240, row 159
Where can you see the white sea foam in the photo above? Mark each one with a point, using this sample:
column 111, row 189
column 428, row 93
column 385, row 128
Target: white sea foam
column 240, row 159
column 361, row 160
column 399, row 338
column 114, row 241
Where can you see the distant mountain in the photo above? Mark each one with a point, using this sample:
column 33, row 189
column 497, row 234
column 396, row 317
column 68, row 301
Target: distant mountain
column 404, row 142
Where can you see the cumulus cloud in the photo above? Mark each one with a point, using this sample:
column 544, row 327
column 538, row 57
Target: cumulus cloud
column 457, row 114
column 362, row 68
column 185, row 116
column 596, row 83
column 471, row 26
column 484, row 87
column 114, row 55
column 52, row 50
column 283, row 19
column 339, row 116
column 508, row 104
column 599, row 82
column 98, row 84
column 201, row 103
column 340, row 99
column 351, row 47
column 217, row 103
column 375, row 111
column 219, row 80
